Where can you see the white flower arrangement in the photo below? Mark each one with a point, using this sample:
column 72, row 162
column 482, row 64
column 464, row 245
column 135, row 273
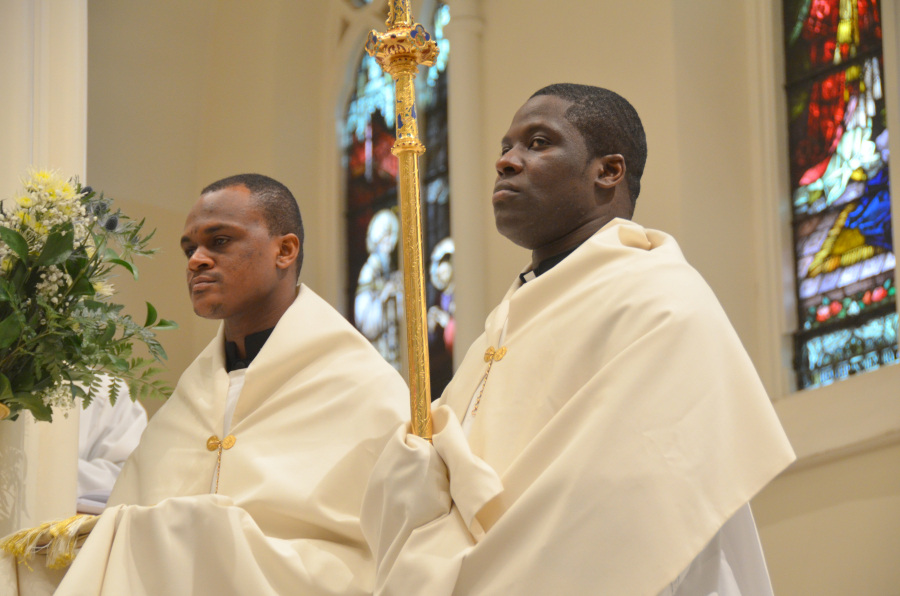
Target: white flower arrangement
column 59, row 244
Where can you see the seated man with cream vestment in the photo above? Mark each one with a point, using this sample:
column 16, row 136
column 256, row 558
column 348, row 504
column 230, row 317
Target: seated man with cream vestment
column 249, row 479
column 606, row 432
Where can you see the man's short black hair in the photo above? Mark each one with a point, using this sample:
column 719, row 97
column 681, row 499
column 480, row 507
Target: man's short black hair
column 609, row 124
column 277, row 205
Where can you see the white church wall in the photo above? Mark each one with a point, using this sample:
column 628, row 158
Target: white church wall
column 834, row 529
column 528, row 45
column 146, row 78
column 185, row 93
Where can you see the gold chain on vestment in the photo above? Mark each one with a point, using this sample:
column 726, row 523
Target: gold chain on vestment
column 490, row 356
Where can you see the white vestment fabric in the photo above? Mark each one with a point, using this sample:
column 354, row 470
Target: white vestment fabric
column 623, row 427
column 732, row 564
column 235, row 385
column 317, row 406
column 107, row 435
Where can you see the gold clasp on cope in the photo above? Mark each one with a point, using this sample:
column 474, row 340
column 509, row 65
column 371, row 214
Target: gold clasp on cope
column 214, row 443
column 491, row 356
column 495, row 355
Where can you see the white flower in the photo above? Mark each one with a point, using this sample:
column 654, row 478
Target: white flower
column 24, row 201
column 103, row 289
column 48, row 201
column 53, row 281
column 59, row 396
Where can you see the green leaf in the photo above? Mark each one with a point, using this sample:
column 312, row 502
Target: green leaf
column 10, row 328
column 82, row 287
column 108, row 334
column 6, row 291
column 74, row 267
column 25, row 381
column 114, row 389
column 35, row 403
column 19, row 276
column 110, row 254
column 76, row 391
column 15, row 241
column 165, row 325
column 58, row 247
column 119, row 363
column 5, row 388
column 127, row 265
column 151, row 315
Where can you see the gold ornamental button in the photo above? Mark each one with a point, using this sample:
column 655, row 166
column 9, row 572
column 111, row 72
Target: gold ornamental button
column 228, row 442
column 495, row 355
column 213, row 443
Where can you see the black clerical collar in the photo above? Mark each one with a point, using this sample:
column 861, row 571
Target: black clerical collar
column 253, row 343
column 548, row 264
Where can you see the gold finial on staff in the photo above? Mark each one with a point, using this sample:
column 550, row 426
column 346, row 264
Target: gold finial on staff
column 399, row 53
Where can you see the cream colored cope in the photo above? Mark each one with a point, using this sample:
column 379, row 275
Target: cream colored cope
column 317, row 406
column 623, row 426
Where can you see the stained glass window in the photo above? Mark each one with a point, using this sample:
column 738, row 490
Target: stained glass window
column 439, row 248
column 841, row 197
column 375, row 282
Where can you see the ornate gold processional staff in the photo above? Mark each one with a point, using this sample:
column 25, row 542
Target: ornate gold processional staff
column 399, row 53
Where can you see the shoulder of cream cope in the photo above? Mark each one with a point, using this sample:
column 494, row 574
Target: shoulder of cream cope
column 667, row 281
column 333, row 332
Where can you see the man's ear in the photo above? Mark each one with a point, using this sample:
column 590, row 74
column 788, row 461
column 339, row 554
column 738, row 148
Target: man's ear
column 610, row 171
column 288, row 251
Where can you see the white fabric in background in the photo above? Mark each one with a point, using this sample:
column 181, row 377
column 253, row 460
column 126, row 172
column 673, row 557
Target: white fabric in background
column 107, row 435
column 732, row 564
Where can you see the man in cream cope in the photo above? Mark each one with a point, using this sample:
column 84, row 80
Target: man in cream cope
column 606, row 433
column 249, row 479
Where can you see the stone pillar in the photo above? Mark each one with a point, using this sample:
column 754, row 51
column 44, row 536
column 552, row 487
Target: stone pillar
column 43, row 122
column 467, row 172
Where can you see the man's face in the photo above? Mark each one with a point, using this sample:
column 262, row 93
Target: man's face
column 545, row 181
column 231, row 268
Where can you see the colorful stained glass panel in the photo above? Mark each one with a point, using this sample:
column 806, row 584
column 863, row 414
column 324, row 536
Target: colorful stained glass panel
column 843, row 237
column 822, row 33
column 838, row 354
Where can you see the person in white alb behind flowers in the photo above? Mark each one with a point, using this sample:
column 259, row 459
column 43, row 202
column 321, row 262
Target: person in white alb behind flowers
column 107, row 434
column 606, row 433
column 249, row 480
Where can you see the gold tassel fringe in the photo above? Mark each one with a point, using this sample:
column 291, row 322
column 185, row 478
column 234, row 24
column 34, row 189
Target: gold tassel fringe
column 57, row 539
